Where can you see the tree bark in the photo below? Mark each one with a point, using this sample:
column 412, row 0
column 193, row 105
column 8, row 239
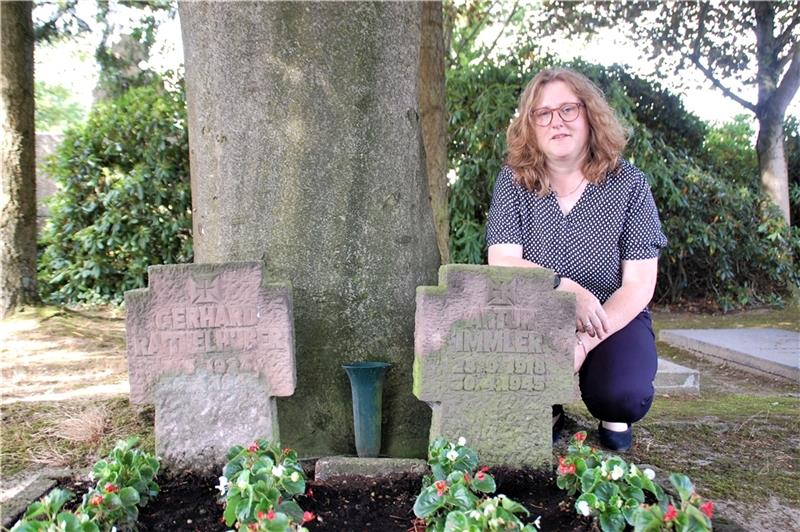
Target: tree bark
column 306, row 152
column 774, row 95
column 772, row 163
column 433, row 118
column 18, row 159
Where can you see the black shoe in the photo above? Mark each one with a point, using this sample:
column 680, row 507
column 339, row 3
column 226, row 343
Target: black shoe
column 558, row 425
column 615, row 441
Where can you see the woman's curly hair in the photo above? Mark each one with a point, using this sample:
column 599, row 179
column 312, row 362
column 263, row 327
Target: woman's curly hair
column 607, row 137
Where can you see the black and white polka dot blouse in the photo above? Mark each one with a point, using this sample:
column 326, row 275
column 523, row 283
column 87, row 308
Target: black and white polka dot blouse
column 611, row 222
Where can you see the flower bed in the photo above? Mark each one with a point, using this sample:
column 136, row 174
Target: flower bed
column 264, row 488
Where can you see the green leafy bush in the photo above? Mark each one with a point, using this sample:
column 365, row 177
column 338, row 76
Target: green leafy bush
column 729, row 152
column 727, row 242
column 124, row 200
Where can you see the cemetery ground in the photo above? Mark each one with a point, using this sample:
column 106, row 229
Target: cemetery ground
column 64, row 404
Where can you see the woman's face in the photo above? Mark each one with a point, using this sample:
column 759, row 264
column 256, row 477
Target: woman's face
column 560, row 141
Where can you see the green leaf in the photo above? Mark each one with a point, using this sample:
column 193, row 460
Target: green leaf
column 428, row 501
column 485, row 485
column 129, row 496
column 456, row 522
column 612, row 521
column 231, row 509
column 292, row 509
column 683, row 485
column 513, row 506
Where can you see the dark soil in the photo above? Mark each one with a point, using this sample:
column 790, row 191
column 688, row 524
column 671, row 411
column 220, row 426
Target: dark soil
column 351, row 504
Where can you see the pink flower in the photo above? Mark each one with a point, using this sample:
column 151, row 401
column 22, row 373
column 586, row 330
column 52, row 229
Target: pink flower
column 271, row 515
column 566, row 469
column 253, row 447
column 580, row 436
column 252, row 526
column 467, row 478
column 111, row 488
column 480, row 475
column 308, row 516
column 310, row 493
column 671, row 514
column 707, row 508
column 441, row 487
column 96, row 500
column 484, row 469
column 261, row 515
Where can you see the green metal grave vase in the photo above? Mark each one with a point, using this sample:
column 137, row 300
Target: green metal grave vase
column 366, row 384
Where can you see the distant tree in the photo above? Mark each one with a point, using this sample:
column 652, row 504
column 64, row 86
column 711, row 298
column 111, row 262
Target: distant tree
column 756, row 43
column 119, row 61
column 17, row 158
column 55, row 108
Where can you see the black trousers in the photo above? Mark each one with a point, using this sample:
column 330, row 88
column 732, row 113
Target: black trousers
column 617, row 377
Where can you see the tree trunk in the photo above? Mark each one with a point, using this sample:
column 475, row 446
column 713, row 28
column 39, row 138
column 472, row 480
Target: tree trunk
column 18, row 160
column 774, row 96
column 306, row 152
column 772, row 161
column 433, row 117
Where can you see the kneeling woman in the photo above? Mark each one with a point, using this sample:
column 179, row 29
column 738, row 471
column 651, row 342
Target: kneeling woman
column 567, row 201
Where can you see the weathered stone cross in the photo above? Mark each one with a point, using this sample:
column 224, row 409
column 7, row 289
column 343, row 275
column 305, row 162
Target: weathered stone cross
column 493, row 353
column 211, row 345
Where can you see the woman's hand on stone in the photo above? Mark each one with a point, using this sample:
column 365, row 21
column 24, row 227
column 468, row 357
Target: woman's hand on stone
column 590, row 318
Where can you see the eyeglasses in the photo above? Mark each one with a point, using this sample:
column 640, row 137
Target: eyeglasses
column 569, row 112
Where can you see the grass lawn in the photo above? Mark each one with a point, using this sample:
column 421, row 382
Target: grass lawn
column 64, row 403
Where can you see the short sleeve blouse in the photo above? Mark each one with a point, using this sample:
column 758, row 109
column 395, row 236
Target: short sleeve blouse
column 614, row 221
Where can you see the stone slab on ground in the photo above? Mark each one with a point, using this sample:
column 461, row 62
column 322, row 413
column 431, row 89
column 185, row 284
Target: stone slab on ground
column 774, row 352
column 32, row 488
column 674, row 379
column 341, row 466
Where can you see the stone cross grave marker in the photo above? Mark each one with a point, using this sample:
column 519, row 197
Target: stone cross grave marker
column 493, row 352
column 210, row 345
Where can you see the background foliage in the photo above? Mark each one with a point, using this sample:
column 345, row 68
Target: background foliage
column 727, row 242
column 124, row 198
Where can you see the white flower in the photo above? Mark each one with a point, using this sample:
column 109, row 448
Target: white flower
column 277, row 470
column 603, row 468
column 633, row 470
column 295, row 476
column 649, row 473
column 617, row 473
column 583, row 508
column 242, row 483
column 488, row 509
column 462, row 441
column 475, row 514
column 538, row 522
column 223, row 485
column 619, row 503
column 494, row 523
column 452, row 455
column 501, row 496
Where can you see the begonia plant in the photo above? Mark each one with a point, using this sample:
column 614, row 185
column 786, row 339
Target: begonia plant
column 455, row 496
column 614, row 493
column 259, row 484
